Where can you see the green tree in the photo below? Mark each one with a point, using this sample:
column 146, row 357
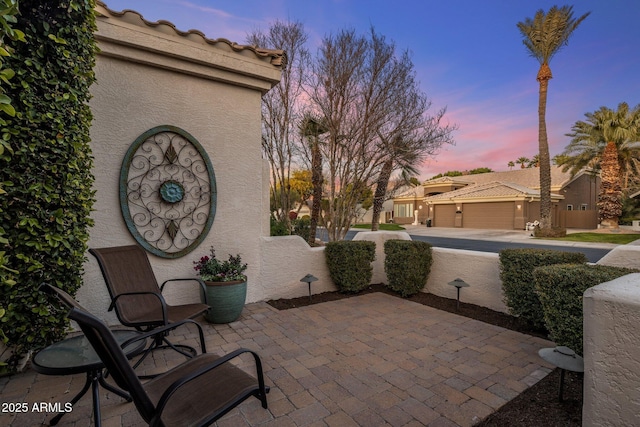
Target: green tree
column 589, row 138
column 45, row 212
column 511, row 164
column 544, row 36
column 478, row 171
column 523, row 162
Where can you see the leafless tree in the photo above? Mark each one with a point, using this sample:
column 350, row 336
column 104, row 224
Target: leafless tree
column 409, row 135
column 281, row 109
column 375, row 117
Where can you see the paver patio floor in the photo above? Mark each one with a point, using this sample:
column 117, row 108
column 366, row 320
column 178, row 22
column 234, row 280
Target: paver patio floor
column 370, row 360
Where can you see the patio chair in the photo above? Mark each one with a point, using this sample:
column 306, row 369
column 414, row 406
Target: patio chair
column 196, row 393
column 138, row 300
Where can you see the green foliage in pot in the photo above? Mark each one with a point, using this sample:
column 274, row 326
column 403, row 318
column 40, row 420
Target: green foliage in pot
column 44, row 214
column 349, row 264
column 560, row 288
column 516, row 273
column 407, row 264
column 211, row 269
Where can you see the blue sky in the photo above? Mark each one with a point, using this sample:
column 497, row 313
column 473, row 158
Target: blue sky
column 468, row 55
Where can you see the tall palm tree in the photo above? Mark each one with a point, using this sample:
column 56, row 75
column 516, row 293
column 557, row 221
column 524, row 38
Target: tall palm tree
column 311, row 128
column 610, row 197
column 544, row 36
column 590, row 137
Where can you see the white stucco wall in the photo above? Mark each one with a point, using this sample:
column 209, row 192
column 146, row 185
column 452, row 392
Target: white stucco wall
column 147, row 78
column 480, row 270
column 379, row 237
column 612, row 354
column 627, row 256
column 287, row 259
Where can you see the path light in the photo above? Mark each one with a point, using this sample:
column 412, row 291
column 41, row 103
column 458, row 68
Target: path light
column 458, row 283
column 308, row 279
column 565, row 359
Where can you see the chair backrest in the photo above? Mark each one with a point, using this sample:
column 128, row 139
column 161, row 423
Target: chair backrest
column 127, row 269
column 107, row 348
column 114, row 359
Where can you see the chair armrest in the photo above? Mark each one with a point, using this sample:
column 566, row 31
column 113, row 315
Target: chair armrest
column 164, row 399
column 203, row 287
column 162, row 329
column 165, row 318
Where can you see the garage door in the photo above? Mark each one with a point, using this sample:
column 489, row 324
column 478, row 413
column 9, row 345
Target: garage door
column 497, row 216
column 444, row 216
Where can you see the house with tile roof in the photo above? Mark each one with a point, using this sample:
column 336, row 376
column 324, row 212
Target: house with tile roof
column 500, row 200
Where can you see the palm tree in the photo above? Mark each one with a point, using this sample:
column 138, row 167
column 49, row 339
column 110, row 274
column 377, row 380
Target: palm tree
column 610, row 197
column 590, row 137
column 544, row 36
column 511, row 164
column 523, row 161
column 311, row 128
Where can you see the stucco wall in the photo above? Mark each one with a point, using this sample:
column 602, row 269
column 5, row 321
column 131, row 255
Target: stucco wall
column 622, row 256
column 379, row 237
column 145, row 79
column 286, row 260
column 480, row 270
column 611, row 353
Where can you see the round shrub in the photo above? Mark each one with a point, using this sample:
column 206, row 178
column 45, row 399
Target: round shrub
column 349, row 264
column 516, row 273
column 560, row 288
column 407, row 264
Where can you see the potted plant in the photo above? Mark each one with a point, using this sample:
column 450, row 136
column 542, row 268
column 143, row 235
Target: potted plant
column 226, row 286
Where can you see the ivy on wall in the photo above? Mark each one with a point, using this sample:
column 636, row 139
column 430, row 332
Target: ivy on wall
column 48, row 183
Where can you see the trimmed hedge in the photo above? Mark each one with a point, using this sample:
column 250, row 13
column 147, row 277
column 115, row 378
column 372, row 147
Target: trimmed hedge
column 560, row 288
column 516, row 273
column 349, row 264
column 407, row 264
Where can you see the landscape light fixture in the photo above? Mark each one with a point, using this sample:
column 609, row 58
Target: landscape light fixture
column 308, row 279
column 458, row 283
column 565, row 359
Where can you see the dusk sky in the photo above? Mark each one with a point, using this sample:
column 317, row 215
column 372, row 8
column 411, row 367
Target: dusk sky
column 468, row 55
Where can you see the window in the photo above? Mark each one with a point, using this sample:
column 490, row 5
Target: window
column 569, row 207
column 583, row 207
column 403, row 210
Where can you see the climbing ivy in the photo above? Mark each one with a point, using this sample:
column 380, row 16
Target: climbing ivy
column 45, row 211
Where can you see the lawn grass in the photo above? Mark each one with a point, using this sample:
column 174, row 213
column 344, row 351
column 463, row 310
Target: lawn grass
column 384, row 227
column 619, row 239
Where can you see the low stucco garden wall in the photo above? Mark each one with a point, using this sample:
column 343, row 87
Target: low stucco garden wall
column 285, row 260
column 612, row 354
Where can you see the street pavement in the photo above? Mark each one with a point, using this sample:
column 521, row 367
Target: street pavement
column 496, row 240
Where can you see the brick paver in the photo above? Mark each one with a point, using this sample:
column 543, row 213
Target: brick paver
column 370, row 360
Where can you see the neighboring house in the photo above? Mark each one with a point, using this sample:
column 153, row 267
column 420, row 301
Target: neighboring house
column 407, row 203
column 503, row 200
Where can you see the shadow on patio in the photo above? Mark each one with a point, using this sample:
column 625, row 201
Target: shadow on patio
column 370, row 360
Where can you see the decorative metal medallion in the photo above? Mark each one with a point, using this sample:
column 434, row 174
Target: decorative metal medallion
column 167, row 191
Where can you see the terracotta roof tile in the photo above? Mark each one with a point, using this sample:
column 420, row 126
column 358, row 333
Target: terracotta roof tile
column 275, row 56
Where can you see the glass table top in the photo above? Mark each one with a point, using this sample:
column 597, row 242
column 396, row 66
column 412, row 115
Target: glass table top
column 75, row 354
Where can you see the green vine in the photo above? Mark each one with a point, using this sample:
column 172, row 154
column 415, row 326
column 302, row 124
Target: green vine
column 44, row 214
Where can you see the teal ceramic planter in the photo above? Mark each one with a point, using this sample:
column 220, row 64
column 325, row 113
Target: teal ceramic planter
column 226, row 301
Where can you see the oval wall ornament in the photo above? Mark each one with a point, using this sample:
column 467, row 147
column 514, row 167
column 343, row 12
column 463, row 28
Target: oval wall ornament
column 167, row 191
